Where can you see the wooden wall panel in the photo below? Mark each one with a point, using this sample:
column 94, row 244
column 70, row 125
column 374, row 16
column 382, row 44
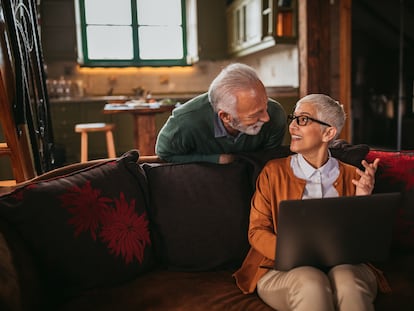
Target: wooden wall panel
column 325, row 51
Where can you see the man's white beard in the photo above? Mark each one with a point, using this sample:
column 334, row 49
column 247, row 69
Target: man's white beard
column 249, row 130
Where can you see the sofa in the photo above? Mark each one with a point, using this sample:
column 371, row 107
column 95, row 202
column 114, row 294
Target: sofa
column 127, row 234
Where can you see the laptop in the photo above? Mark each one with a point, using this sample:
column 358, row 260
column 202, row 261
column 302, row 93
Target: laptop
column 331, row 231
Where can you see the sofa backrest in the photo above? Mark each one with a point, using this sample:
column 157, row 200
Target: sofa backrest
column 199, row 214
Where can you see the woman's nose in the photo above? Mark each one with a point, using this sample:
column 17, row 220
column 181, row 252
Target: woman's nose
column 293, row 124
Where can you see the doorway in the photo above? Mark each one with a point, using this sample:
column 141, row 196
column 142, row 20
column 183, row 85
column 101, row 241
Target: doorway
column 382, row 74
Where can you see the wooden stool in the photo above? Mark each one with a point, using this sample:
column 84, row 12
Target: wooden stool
column 85, row 128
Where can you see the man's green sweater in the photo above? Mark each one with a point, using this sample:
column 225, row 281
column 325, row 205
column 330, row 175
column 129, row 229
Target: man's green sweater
column 191, row 133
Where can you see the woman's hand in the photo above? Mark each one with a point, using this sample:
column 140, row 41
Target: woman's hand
column 365, row 184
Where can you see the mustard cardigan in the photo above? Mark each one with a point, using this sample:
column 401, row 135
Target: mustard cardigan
column 275, row 183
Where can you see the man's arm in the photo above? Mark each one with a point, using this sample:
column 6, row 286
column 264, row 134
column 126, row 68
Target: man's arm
column 186, row 158
column 173, row 145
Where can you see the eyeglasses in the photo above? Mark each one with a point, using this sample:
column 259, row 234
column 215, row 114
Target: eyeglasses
column 303, row 120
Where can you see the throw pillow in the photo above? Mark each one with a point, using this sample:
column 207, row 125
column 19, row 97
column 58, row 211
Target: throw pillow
column 396, row 173
column 348, row 153
column 200, row 213
column 88, row 228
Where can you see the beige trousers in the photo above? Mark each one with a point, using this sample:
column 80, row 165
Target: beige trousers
column 343, row 288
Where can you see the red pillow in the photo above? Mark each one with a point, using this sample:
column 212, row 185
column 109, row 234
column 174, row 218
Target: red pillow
column 396, row 173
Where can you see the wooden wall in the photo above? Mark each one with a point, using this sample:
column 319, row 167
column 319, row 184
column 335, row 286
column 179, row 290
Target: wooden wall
column 325, row 52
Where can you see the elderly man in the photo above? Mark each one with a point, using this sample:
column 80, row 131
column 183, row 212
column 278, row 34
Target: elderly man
column 234, row 116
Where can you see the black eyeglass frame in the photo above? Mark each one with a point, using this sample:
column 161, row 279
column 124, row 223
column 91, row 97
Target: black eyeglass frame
column 292, row 117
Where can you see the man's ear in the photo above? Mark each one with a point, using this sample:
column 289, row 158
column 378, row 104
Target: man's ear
column 329, row 134
column 224, row 116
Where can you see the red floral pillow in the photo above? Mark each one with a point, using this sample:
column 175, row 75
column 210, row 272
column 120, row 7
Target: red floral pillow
column 86, row 229
column 396, row 173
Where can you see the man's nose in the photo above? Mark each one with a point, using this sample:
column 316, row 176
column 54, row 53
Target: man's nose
column 264, row 117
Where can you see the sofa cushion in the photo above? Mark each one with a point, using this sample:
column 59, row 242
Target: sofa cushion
column 163, row 290
column 396, row 173
column 88, row 228
column 200, row 213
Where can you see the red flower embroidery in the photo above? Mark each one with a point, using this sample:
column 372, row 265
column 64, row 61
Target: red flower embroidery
column 87, row 208
column 120, row 227
column 125, row 232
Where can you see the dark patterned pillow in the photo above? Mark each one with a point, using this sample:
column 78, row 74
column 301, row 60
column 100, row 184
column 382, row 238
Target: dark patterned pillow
column 396, row 173
column 348, row 153
column 88, row 228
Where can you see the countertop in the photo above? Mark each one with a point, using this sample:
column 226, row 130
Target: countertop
column 273, row 92
column 181, row 97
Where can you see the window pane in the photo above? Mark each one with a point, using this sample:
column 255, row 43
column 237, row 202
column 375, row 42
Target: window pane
column 106, row 12
column 160, row 42
column 159, row 12
column 109, row 42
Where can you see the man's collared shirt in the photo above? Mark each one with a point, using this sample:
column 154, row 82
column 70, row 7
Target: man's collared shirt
column 319, row 182
column 220, row 130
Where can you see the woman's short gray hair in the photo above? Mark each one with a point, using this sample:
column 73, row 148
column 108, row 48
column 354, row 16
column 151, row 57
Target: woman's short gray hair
column 328, row 110
column 233, row 78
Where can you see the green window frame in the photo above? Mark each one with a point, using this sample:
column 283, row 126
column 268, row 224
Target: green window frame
column 138, row 32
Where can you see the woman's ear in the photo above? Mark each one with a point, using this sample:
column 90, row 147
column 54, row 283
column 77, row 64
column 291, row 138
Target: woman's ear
column 329, row 134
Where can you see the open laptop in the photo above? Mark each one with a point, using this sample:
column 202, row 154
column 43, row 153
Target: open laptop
column 331, row 231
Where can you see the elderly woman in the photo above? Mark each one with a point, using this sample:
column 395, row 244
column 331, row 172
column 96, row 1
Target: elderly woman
column 310, row 173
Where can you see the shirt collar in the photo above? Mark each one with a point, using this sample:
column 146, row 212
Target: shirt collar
column 220, row 130
column 308, row 170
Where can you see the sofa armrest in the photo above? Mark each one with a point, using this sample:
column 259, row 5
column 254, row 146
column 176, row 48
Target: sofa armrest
column 20, row 284
column 150, row 159
column 9, row 283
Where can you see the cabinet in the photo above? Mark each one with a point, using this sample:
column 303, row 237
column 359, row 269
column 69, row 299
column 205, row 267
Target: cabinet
column 58, row 30
column 253, row 25
column 211, row 37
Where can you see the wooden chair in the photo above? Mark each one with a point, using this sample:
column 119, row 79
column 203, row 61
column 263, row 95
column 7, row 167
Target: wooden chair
column 17, row 142
column 85, row 128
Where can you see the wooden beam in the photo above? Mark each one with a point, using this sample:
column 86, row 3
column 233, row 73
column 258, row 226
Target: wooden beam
column 345, row 58
column 325, row 52
column 314, row 47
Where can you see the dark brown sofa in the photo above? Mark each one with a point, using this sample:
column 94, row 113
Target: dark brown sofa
column 123, row 235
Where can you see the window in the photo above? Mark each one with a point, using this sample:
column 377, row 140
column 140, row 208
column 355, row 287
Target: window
column 132, row 32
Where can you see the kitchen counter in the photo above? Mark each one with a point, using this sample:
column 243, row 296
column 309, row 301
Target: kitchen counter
column 179, row 97
column 273, row 92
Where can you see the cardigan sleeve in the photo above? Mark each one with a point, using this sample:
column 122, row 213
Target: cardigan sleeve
column 262, row 235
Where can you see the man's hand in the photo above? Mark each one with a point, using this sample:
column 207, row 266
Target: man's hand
column 365, row 184
column 226, row 158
